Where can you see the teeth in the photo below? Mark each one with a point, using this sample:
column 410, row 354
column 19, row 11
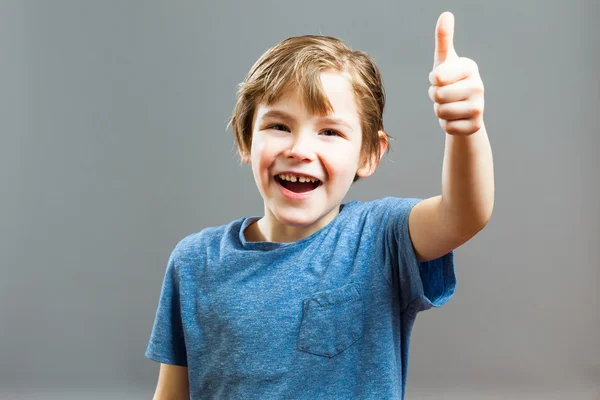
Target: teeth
column 294, row 178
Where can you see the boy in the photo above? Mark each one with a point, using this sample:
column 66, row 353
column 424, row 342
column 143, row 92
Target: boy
column 317, row 299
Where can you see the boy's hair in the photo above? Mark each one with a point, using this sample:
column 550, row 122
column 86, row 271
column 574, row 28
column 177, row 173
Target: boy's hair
column 296, row 63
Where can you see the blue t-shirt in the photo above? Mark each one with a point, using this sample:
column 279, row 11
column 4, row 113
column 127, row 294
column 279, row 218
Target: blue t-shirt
column 326, row 317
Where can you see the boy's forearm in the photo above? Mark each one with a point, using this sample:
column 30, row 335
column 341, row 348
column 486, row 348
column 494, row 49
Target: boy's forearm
column 467, row 182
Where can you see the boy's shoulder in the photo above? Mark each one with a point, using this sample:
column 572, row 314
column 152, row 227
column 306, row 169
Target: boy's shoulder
column 388, row 204
column 197, row 242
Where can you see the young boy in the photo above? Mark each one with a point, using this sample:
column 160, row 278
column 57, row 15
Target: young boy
column 317, row 299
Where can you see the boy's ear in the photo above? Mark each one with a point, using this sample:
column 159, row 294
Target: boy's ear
column 369, row 165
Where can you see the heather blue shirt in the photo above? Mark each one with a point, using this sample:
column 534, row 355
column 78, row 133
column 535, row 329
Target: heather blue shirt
column 326, row 317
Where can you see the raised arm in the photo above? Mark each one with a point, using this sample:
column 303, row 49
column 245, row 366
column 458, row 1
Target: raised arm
column 440, row 224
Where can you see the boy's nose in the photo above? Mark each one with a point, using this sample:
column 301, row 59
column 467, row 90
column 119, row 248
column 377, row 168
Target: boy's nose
column 301, row 149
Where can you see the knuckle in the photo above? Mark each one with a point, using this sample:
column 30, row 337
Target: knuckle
column 478, row 88
column 439, row 95
column 452, row 128
column 444, row 112
column 440, row 72
column 432, row 90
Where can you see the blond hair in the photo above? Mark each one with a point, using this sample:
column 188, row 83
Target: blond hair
column 296, row 63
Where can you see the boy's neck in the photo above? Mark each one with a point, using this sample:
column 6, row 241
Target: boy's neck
column 270, row 229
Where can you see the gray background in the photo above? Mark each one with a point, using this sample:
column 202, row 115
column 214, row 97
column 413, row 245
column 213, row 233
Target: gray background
column 113, row 148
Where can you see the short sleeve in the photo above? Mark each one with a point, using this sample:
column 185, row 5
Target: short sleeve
column 167, row 343
column 422, row 285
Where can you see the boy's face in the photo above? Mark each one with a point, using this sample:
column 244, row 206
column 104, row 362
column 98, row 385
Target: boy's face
column 289, row 142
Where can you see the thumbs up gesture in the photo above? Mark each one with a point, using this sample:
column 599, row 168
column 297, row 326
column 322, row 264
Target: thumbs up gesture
column 456, row 87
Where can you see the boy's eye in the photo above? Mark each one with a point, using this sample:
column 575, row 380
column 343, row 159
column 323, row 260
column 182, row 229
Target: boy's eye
column 279, row 127
column 330, row 132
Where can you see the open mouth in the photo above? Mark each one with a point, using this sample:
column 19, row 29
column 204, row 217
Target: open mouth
column 297, row 186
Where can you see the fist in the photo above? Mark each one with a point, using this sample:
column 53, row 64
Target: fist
column 456, row 87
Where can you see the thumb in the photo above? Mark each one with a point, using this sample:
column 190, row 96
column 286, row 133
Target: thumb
column 444, row 39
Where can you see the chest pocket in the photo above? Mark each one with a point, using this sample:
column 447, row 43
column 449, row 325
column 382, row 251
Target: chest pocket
column 332, row 321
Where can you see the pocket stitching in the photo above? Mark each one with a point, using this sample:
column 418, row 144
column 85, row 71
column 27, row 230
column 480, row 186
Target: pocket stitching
column 349, row 329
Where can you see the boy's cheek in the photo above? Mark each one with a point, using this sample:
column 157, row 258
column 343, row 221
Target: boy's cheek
column 340, row 168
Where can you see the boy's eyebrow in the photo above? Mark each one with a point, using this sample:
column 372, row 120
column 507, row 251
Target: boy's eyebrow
column 337, row 121
column 285, row 116
column 277, row 114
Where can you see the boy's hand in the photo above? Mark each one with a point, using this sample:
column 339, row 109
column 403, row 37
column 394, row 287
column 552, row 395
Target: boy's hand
column 457, row 89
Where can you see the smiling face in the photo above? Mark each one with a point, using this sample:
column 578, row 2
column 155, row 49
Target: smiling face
column 291, row 145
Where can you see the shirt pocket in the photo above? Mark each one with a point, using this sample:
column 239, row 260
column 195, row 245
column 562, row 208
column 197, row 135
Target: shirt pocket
column 332, row 321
